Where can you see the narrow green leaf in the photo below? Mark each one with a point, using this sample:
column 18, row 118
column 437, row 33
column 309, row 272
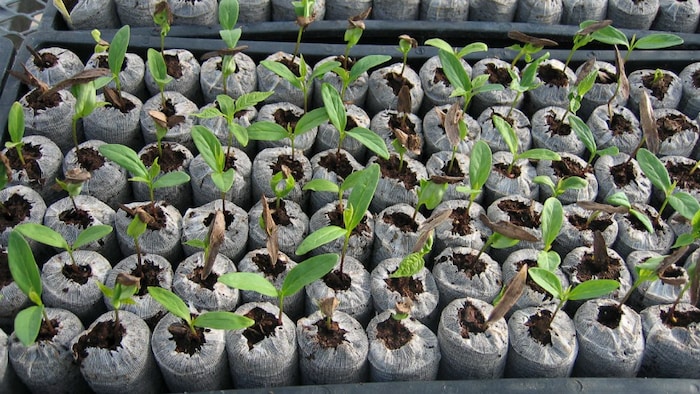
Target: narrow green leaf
column 117, row 49
column 209, row 147
column 552, row 218
column 334, row 106
column 370, row 140
column 28, row 323
column 125, row 157
column 44, row 234
column 507, row 133
column 644, row 219
column 23, row 267
column 266, row 131
column 441, row 44
column 479, row 164
column 321, row 185
column 318, row 238
column 365, row 64
column 90, row 234
column 171, row 302
column 593, row 289
column 501, row 241
column 362, row 193
column 308, row 271
column 282, row 71
column 228, row 13
column 322, row 69
column 539, row 154
column 16, row 122
column 619, row 199
column 410, row 265
column 583, row 132
column 249, row 281
column 454, row 71
column 171, row 179
column 310, row 120
column 222, row 320
column 547, row 280
column 658, row 41
column 655, row 170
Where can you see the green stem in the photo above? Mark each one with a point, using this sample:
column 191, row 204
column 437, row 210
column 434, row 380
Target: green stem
column 559, row 305
column 21, row 155
column 512, row 105
column 663, row 206
column 281, row 302
column 671, row 312
column 296, row 47
column 628, row 294
column 47, row 320
column 483, row 248
column 74, row 125
column 344, row 251
column 452, row 160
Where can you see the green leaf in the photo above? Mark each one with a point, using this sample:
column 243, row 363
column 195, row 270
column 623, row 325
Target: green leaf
column 552, row 218
column 23, row 267
column 683, row 240
column 593, row 289
column 685, row 204
column 249, row 281
column 282, row 70
column 583, row 132
column 16, row 122
column 117, row 49
column 539, row 154
column 479, row 164
column 548, row 260
column 209, row 113
column 500, row 241
column 61, row 7
column 125, row 157
column 644, row 219
column 658, row 41
column 619, row 199
column 430, row 193
column 157, row 67
column 655, row 170
column 196, row 243
column 308, row 271
column 365, row 64
column 209, row 147
column 441, row 44
column 321, row 185
column 454, row 71
column 410, row 265
column 611, row 36
column 90, row 234
column 266, row 131
column 171, row 302
column 44, row 234
column 547, row 280
column 136, row 228
column 471, row 48
column 318, row 238
column 507, row 133
column 222, row 320
column 171, row 179
column 28, row 323
column 251, row 99
column 311, row 120
column 334, row 106
column 228, row 13
column 224, row 181
column 370, row 140
column 362, row 193
column 573, row 183
column 545, row 180
column 322, row 69
column 609, row 151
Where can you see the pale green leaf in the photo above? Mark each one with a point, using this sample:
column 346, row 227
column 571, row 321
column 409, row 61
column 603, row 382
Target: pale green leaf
column 370, row 140
column 222, row 320
column 593, row 289
column 319, row 238
column 249, row 281
column 308, row 271
column 547, row 280
column 171, row 302
column 22, row 264
column 90, row 234
column 28, row 323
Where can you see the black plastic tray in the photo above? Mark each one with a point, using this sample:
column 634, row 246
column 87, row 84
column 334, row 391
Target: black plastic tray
column 7, row 53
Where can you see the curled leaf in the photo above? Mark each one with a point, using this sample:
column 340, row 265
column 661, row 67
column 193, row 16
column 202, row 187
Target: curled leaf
column 357, row 21
column 77, row 175
column 646, row 118
column 508, row 229
column 410, row 40
column 271, row 231
column 600, row 249
column 328, row 306
column 527, row 39
column 216, row 236
column 159, row 118
column 113, row 97
column 84, row 76
column 513, row 291
column 412, row 142
column 594, row 27
column 403, row 105
column 587, row 68
column 662, row 270
column 451, row 124
column 428, row 226
column 125, row 279
column 596, row 206
column 624, row 90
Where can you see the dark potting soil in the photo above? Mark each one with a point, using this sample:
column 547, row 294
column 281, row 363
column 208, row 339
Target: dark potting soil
column 80, row 218
column 337, row 281
column 265, row 324
column 77, row 273
column 105, row 335
column 346, row 63
column 148, row 273
column 123, row 104
column 173, row 119
column 597, row 224
column 396, row 81
column 335, row 217
column 460, row 221
column 680, row 319
column 5, row 274
column 208, row 282
column 557, row 126
column 658, row 88
column 297, row 170
column 390, row 169
column 466, row 263
column 471, row 320
column 552, row 76
column 566, row 167
column 291, row 65
column 336, row 162
column 680, row 173
column 172, row 63
column 170, row 160
column 37, row 101
column 623, row 173
column 498, row 75
column 609, row 316
column 393, row 333
column 45, row 60
column 103, row 60
column 285, row 118
column 187, row 341
column 454, row 171
column 280, row 215
column 672, row 124
column 440, row 77
column 403, row 123
column 503, row 169
column 152, row 321
column 47, row 332
column 156, row 212
column 590, row 268
column 605, row 77
column 539, row 327
column 520, row 214
column 228, row 218
column 620, row 125
column 15, row 209
column 264, row 264
column 639, row 226
column 89, row 159
column 406, row 286
column 404, row 222
column 31, row 154
column 531, row 283
column 331, row 336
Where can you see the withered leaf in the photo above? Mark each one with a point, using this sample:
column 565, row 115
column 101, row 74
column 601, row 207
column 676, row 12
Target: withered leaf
column 646, row 118
column 403, row 105
column 216, row 236
column 527, row 39
column 164, row 6
column 409, row 39
column 358, row 21
column 224, row 52
column 404, row 306
column 6, row 164
column 513, row 291
column 304, row 21
column 178, row 329
column 328, row 306
column 586, row 69
column 594, row 27
column 84, row 76
column 667, row 262
column 441, row 179
column 624, row 91
column 114, row 98
column 29, row 79
column 160, row 119
column 508, row 229
column 600, row 249
column 270, row 230
column 125, row 279
column 412, row 142
column 174, row 120
column 595, row 206
column 428, row 226
column 77, row 175
column 451, row 124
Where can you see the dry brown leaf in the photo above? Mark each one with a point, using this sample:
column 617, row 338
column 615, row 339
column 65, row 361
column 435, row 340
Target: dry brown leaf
column 595, row 206
column 427, row 227
column 669, row 261
column 223, row 52
column 270, row 230
column 29, row 79
column 587, row 68
column 513, row 291
column 114, row 98
column 125, row 279
column 6, row 164
column 160, row 119
column 594, row 27
column 409, row 39
column 84, row 76
column 624, row 91
column 164, row 6
column 216, row 236
column 600, row 249
column 404, row 306
column 77, row 175
column 328, row 306
column 527, row 39
column 508, row 229
column 358, row 21
column 412, row 142
column 451, row 124
column 646, row 118
column 403, row 105
column 441, row 179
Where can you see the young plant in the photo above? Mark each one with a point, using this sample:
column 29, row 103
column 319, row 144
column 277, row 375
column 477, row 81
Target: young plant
column 305, row 16
column 526, row 82
column 211, row 243
column 584, row 36
column 327, row 306
column 479, row 169
column 612, row 36
column 218, row 320
column 136, row 228
column 528, row 46
column 73, row 184
column 511, row 139
column 163, row 17
column 551, row 220
column 693, row 284
column 228, row 17
column 430, row 193
column 654, row 169
column 415, row 261
column 691, row 236
column 363, row 184
column 584, row 133
column 86, row 102
column 271, row 131
column 406, row 43
column 213, row 154
column 504, row 235
column 15, row 129
column 160, row 120
column 301, row 275
column 404, row 142
column 620, row 199
column 116, row 52
column 125, row 286
column 159, row 71
column 152, row 177
column 335, row 109
column 50, row 237
column 562, row 185
column 282, row 183
column 353, row 33
column 584, row 83
column 26, row 275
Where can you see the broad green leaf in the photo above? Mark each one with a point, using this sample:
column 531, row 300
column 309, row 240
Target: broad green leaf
column 552, row 218
column 441, row 44
column 501, row 241
column 249, row 281
column 352, row 36
column 224, row 181
column 125, row 157
column 365, row 64
column 107, row 291
column 209, row 113
column 583, row 132
column 310, row 120
column 28, row 323
column 593, row 289
column 370, row 140
column 23, row 267
column 251, row 99
column 171, row 302
column 539, row 154
column 16, row 122
column 410, row 265
column 683, row 240
column 609, row 151
column 650, row 264
column 171, row 179
column 318, row 238
column 658, row 41
column 362, row 193
column 547, row 280
column 611, row 36
column 545, row 180
column 222, row 320
column 44, row 234
column 454, row 71
column 530, row 72
column 573, row 183
column 282, row 70
column 644, row 219
column 227, row 105
column 685, row 204
column 136, row 228
column 228, row 13
column 266, row 131
column 321, row 185
column 240, row 133
column 479, row 164
column 548, row 260
column 157, row 67
column 308, row 271
column 431, row 193
column 507, row 133
column 655, row 170
column 324, row 68
column 471, row 48
column 117, row 49
column 90, row 234
column 619, row 199
column 209, row 147
column 334, row 106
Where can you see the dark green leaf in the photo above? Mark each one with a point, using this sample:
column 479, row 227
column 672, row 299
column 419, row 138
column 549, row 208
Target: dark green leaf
column 125, row 157
column 209, row 147
column 321, row 70
column 370, row 140
column 23, row 267
column 552, row 217
column 593, row 289
column 507, row 133
column 334, row 106
column 171, row 302
column 117, row 49
column 454, row 70
column 308, row 271
column 362, row 194
column 655, row 170
column 310, row 120
column 479, row 164
column 266, row 131
column 365, row 64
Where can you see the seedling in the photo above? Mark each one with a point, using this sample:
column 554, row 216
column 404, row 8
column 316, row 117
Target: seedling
column 415, row 261
column 160, row 120
column 15, row 128
column 403, row 141
column 403, row 309
column 612, row 36
column 620, row 199
column 584, row 133
column 406, row 43
column 562, row 185
column 228, row 17
column 50, row 237
column 693, row 285
column 301, row 275
column 551, row 219
column 363, row 184
column 479, row 169
column 125, row 286
column 584, row 83
column 211, row 243
column 584, row 36
column 353, row 33
column 511, row 140
column 136, row 228
column 73, row 184
column 526, row 82
column 282, row 183
column 335, row 109
column 159, row 71
column 116, row 52
column 327, row 306
column 305, row 16
column 86, row 102
column 152, row 177
column 455, row 129
column 213, row 154
column 218, row 320
column 302, row 82
column 528, row 46
column 271, row 131
column 657, row 173
column 163, row 17
column 693, row 235
column 25, row 273
column 430, row 193
column 504, row 235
